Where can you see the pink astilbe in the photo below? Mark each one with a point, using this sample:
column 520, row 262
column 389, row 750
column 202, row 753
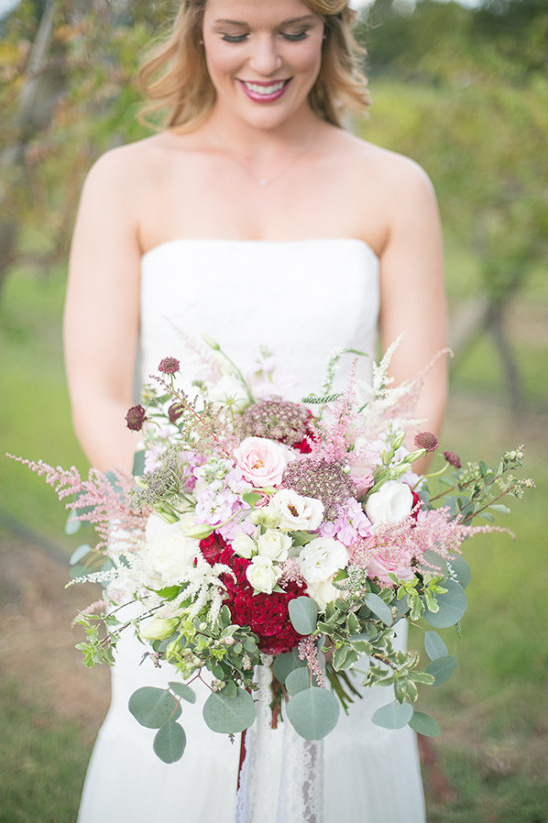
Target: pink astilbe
column 332, row 445
column 400, row 547
column 97, row 500
column 307, row 650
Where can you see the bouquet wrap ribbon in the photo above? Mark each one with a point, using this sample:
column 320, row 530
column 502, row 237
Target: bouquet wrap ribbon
column 294, row 794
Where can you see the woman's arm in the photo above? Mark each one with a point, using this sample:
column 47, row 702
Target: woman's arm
column 102, row 312
column 412, row 290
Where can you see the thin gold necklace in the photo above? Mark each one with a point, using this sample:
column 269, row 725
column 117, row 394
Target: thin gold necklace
column 264, row 182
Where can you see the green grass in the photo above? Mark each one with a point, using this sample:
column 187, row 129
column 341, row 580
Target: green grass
column 35, row 416
column 44, row 763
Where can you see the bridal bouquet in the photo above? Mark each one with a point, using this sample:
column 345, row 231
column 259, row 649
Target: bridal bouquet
column 257, row 531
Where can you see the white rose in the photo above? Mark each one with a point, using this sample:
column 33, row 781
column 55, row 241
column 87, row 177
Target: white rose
column 390, row 504
column 230, row 391
column 296, row 512
column 262, row 575
column 244, row 545
column 324, row 592
column 168, row 551
column 262, row 461
column 322, row 558
column 274, row 544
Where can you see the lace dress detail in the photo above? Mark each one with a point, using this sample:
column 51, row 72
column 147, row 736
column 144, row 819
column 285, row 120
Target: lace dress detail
column 303, row 300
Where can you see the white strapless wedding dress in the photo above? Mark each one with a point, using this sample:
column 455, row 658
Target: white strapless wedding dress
column 302, row 300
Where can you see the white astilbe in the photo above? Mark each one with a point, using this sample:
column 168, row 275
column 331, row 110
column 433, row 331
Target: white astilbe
column 106, row 576
column 382, row 401
column 203, row 586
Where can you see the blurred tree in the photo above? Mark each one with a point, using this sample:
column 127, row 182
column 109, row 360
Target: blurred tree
column 477, row 120
column 68, row 71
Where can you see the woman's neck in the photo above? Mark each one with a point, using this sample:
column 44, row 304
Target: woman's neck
column 260, row 146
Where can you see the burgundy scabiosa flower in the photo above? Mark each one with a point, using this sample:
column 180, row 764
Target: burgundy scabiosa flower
column 453, row 459
column 426, row 440
column 169, row 365
column 135, row 418
column 175, row 411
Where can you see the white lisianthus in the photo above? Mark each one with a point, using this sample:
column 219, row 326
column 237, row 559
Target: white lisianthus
column 262, row 575
column 230, row 391
column 321, row 559
column 297, row 512
column 168, row 552
column 244, row 545
column 392, row 502
column 274, row 544
column 324, row 592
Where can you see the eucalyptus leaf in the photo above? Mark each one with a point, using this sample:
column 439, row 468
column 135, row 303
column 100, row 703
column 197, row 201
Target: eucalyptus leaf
column 461, row 570
column 452, row 605
column 313, row 713
column 79, row 553
column 182, row 690
column 379, row 608
column 434, row 645
column 299, row 679
column 229, row 715
column 393, row 716
column 286, row 663
column 442, row 668
column 138, row 464
column 422, row 723
column 169, row 742
column 434, row 560
column 303, row 614
column 73, row 523
column 153, row 707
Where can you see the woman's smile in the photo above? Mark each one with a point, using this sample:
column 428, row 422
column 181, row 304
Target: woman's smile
column 264, row 91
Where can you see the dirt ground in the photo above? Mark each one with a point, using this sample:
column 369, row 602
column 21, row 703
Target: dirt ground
column 38, row 642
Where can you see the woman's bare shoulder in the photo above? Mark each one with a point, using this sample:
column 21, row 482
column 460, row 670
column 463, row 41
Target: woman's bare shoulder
column 386, row 166
column 130, row 166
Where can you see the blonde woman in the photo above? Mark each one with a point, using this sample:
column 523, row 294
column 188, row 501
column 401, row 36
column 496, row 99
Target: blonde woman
column 256, row 218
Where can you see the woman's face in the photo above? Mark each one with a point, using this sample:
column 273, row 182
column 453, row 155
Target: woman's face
column 263, row 57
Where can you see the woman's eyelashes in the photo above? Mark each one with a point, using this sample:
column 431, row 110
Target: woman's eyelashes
column 289, row 36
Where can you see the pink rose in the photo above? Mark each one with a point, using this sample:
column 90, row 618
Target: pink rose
column 262, row 461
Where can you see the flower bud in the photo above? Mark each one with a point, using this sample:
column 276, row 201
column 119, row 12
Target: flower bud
column 211, row 343
column 159, row 629
column 199, row 532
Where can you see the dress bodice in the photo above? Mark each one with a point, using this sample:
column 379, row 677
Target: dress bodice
column 302, row 300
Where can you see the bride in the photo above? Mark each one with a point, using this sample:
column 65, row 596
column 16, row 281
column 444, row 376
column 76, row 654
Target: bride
column 256, row 218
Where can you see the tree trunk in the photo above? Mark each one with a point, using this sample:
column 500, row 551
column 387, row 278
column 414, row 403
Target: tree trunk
column 38, row 97
column 497, row 327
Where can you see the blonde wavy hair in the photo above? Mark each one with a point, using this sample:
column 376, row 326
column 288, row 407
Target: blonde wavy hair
column 176, row 81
